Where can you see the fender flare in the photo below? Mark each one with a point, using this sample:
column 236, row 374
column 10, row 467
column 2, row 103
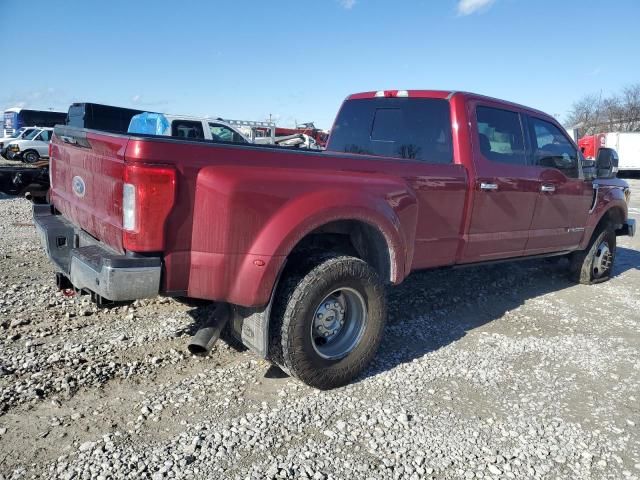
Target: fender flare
column 302, row 216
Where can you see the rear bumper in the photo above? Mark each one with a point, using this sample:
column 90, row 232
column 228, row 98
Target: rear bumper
column 90, row 266
column 628, row 228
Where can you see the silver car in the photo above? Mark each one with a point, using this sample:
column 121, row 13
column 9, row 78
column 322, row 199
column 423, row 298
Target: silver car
column 32, row 147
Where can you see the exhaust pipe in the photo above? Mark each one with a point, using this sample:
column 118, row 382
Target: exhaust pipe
column 62, row 282
column 204, row 339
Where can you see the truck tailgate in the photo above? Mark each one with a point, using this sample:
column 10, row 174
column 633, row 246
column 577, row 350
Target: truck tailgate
column 87, row 175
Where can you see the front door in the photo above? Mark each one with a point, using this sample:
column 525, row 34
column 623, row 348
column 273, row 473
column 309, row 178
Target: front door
column 565, row 198
column 506, row 186
column 42, row 147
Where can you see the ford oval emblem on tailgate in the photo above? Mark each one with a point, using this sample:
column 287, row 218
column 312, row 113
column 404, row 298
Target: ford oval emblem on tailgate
column 77, row 184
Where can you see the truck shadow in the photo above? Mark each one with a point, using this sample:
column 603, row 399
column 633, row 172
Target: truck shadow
column 433, row 309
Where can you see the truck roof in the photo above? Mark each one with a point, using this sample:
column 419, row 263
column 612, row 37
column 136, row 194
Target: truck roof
column 439, row 94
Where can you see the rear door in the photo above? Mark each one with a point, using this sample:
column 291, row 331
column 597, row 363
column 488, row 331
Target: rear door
column 565, row 198
column 506, row 186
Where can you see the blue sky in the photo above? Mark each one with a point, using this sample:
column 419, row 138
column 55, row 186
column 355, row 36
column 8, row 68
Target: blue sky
column 297, row 60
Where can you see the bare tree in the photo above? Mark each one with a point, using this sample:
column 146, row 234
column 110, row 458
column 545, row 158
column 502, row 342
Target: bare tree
column 630, row 108
column 616, row 113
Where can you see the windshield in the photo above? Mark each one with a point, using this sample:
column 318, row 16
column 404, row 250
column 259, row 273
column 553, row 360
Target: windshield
column 22, row 132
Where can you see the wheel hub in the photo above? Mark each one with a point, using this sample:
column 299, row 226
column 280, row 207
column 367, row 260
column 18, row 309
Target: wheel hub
column 602, row 259
column 338, row 323
column 329, row 317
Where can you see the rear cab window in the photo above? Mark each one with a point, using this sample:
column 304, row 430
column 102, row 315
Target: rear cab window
column 406, row 128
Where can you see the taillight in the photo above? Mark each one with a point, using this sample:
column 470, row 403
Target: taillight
column 50, row 166
column 148, row 195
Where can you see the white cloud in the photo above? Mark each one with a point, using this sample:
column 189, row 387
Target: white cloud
column 141, row 101
column 42, row 99
column 347, row 4
column 468, row 7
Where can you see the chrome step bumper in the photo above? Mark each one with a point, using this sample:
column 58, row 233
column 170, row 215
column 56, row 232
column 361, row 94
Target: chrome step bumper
column 90, row 266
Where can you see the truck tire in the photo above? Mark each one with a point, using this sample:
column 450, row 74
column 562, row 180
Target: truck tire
column 595, row 263
column 328, row 321
column 30, row 156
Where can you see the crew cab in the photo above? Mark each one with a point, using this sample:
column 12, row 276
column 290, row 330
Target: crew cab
column 31, row 147
column 296, row 246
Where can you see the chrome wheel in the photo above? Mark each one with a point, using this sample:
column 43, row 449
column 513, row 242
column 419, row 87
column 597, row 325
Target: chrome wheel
column 338, row 323
column 602, row 260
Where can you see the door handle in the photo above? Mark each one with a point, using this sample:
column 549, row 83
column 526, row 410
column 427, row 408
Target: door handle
column 548, row 188
column 488, row 186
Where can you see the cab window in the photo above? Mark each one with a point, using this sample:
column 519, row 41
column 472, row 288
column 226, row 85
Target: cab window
column 187, row 129
column 408, row 128
column 31, row 135
column 500, row 135
column 222, row 133
column 551, row 148
column 44, row 136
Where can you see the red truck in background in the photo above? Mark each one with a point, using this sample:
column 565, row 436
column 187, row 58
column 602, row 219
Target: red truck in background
column 309, row 129
column 296, row 246
column 625, row 144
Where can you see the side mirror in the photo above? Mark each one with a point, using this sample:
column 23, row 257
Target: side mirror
column 589, row 169
column 606, row 163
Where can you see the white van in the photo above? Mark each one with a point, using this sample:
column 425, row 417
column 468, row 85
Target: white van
column 32, row 147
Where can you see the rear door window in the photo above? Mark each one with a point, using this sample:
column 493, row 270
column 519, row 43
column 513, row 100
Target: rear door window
column 188, row 129
column 407, row 128
column 500, row 135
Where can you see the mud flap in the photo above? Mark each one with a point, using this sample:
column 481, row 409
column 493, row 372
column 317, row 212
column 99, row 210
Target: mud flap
column 251, row 327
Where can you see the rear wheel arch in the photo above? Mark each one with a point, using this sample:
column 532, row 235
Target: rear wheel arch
column 351, row 237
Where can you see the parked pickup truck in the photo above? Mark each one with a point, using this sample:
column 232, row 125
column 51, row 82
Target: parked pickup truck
column 296, row 246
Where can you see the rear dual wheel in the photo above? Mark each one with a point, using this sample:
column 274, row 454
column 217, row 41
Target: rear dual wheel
column 328, row 320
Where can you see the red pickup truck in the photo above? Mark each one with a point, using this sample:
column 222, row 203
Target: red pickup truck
column 296, row 246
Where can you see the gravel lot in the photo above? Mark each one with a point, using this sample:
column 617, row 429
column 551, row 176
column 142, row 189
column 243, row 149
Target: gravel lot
column 504, row 371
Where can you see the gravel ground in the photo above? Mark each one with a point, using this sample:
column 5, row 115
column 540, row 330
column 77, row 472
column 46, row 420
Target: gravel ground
column 505, row 371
